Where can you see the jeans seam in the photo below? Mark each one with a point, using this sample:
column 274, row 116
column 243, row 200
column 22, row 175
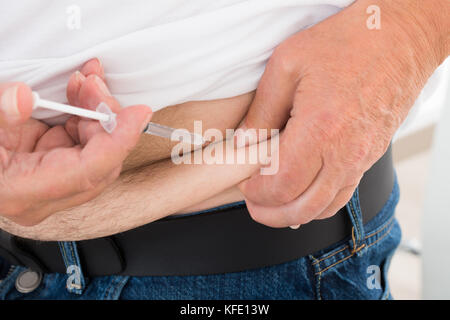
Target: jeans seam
column 387, row 224
column 382, row 236
column 64, row 255
column 120, row 285
column 318, row 283
column 105, row 296
column 355, row 245
column 113, row 287
column 354, row 252
column 329, row 255
column 336, row 263
column 387, row 294
column 73, row 255
column 319, row 296
column 356, row 223
column 74, row 289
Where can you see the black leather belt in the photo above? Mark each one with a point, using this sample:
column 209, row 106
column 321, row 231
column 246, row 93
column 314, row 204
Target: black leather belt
column 224, row 241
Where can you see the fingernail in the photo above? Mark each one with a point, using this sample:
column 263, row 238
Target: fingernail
column 99, row 62
column 295, row 227
column 9, row 104
column 102, row 86
column 79, row 77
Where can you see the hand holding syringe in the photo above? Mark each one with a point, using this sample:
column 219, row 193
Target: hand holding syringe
column 108, row 120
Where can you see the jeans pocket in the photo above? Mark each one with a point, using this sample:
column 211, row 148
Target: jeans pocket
column 383, row 245
column 342, row 273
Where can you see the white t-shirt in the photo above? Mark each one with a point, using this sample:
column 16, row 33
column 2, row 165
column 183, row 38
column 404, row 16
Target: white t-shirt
column 159, row 53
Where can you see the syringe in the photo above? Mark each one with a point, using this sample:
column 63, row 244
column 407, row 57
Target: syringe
column 107, row 119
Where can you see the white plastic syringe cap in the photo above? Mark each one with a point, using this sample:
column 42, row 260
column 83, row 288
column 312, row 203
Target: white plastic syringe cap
column 110, row 124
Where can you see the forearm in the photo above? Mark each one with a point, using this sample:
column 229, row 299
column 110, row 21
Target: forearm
column 413, row 40
column 138, row 198
column 425, row 22
column 440, row 22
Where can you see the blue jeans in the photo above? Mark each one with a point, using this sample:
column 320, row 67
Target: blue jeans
column 355, row 268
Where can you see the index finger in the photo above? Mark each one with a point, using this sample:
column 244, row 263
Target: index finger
column 299, row 163
column 104, row 152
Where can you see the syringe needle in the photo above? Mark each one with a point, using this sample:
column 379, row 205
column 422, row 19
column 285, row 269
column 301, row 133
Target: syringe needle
column 108, row 120
column 167, row 132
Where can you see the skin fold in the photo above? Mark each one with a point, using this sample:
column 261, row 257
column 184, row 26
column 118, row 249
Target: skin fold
column 150, row 186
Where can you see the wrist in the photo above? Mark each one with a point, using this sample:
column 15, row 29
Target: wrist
column 435, row 23
column 439, row 17
column 426, row 25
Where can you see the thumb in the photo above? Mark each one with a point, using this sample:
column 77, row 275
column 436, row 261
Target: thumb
column 271, row 105
column 16, row 104
column 104, row 152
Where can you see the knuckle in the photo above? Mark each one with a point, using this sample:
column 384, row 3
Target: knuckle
column 317, row 205
column 114, row 175
column 91, row 183
column 350, row 188
column 359, row 152
column 326, row 125
column 88, row 183
column 281, row 60
column 85, row 182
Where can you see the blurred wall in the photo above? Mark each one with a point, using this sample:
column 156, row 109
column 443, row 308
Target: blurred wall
column 436, row 215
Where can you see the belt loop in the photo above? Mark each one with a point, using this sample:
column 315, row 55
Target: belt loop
column 13, row 250
column 75, row 282
column 354, row 211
